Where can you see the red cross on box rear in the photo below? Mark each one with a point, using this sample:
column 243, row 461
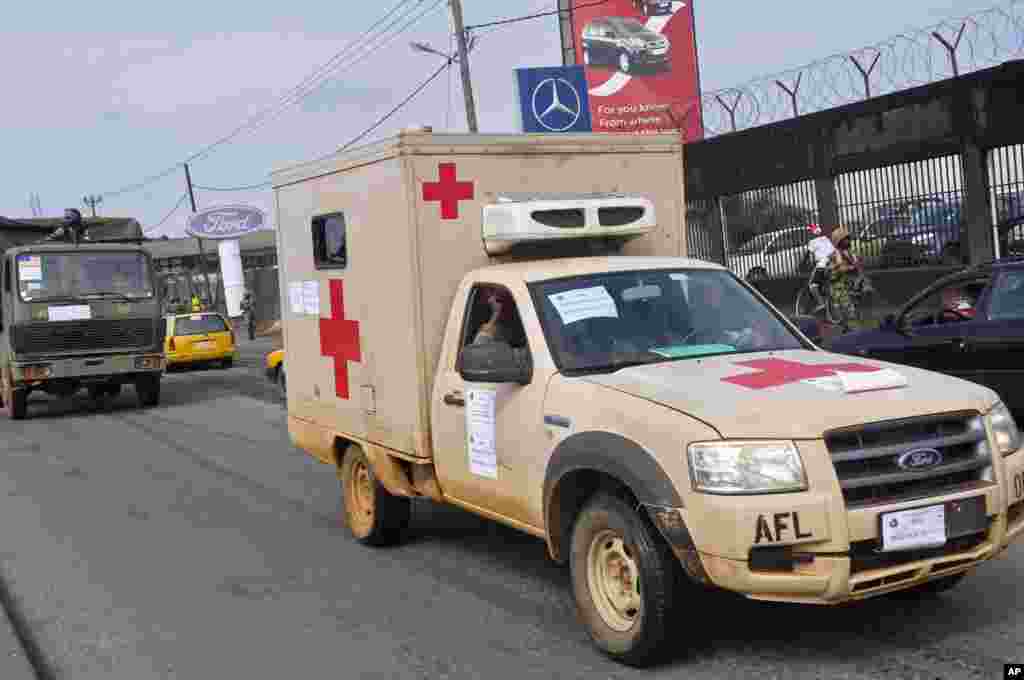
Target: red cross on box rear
column 775, row 372
column 448, row 191
column 339, row 338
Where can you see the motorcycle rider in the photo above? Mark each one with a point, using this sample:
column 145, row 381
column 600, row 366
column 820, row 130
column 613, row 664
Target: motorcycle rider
column 820, row 248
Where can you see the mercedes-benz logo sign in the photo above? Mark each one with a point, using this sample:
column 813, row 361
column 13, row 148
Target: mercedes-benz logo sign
column 556, row 104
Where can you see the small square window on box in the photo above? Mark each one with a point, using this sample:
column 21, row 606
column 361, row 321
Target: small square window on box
column 330, row 250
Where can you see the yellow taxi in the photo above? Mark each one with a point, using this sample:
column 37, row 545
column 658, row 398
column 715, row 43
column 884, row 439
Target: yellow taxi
column 199, row 338
column 275, row 368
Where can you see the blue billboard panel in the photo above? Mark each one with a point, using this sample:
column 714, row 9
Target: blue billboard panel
column 553, row 99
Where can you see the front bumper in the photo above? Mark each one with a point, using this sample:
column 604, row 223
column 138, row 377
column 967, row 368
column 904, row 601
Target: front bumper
column 829, row 554
column 181, row 359
column 85, row 369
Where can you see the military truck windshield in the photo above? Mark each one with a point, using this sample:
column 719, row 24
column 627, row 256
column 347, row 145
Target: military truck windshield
column 44, row 276
column 607, row 321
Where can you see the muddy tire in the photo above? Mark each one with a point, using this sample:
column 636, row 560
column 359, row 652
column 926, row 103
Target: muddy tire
column 148, row 390
column 373, row 516
column 624, row 581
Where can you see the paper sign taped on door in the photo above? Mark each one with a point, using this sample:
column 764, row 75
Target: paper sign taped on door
column 480, row 431
column 584, row 303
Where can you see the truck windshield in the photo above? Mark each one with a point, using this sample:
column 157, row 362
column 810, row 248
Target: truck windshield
column 607, row 321
column 43, row 276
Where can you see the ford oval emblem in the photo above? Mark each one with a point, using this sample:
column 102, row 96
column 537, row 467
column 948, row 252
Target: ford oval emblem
column 226, row 221
column 919, row 459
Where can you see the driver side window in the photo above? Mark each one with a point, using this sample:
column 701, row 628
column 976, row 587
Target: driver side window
column 952, row 303
column 492, row 316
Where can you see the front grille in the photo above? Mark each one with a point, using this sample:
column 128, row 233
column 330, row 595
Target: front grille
column 865, row 457
column 83, row 336
column 865, row 557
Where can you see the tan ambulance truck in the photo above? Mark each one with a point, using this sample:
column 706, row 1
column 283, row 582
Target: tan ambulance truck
column 507, row 324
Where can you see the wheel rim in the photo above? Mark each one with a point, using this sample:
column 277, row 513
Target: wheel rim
column 613, row 578
column 359, row 498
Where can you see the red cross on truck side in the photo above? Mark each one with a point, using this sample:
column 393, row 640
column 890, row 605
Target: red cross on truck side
column 448, row 191
column 339, row 338
column 775, row 372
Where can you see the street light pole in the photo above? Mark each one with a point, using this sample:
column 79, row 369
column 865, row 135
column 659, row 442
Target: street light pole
column 467, row 85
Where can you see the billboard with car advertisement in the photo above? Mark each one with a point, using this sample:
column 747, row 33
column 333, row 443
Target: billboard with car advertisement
column 640, row 58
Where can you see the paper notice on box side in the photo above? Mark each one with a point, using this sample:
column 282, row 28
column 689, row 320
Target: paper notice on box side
column 480, row 430
column 584, row 303
column 311, row 297
column 885, row 379
column 295, row 297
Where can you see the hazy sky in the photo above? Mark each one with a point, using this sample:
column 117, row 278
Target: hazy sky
column 101, row 96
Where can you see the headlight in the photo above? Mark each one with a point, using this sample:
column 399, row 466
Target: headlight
column 1004, row 428
column 746, row 467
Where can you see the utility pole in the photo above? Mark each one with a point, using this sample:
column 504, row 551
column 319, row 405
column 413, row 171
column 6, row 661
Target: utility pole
column 202, row 252
column 467, row 85
column 92, row 201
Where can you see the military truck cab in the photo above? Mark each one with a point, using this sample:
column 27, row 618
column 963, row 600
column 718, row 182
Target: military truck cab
column 80, row 315
column 515, row 330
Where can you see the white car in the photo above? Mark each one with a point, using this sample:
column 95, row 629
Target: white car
column 775, row 254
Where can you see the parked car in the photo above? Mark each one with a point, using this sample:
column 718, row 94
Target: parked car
column 776, row 253
column 652, row 7
column 275, row 369
column 623, row 42
column 982, row 342
column 930, row 236
column 869, row 243
column 199, row 339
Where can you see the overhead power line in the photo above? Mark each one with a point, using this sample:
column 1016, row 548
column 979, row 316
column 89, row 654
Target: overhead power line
column 168, row 215
column 304, row 88
column 241, row 188
column 528, row 17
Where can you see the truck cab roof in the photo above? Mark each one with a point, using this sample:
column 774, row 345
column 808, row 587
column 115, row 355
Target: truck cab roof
column 542, row 270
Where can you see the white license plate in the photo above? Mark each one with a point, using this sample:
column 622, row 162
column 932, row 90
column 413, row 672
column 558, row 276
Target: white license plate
column 202, row 345
column 917, row 528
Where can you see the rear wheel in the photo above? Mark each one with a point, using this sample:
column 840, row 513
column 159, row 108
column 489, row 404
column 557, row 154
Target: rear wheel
column 624, row 581
column 148, row 390
column 281, row 381
column 15, row 404
column 227, row 363
column 372, row 515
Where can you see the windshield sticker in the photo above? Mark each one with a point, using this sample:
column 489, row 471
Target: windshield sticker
column 30, row 268
column 584, row 303
column 680, row 351
column 69, row 313
column 480, row 427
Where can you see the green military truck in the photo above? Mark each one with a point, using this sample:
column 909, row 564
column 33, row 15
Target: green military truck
column 80, row 308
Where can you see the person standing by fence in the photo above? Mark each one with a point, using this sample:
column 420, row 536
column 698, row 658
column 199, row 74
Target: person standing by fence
column 844, row 271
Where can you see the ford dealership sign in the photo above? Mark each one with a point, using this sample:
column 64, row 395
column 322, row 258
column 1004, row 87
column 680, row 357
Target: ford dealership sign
column 226, row 221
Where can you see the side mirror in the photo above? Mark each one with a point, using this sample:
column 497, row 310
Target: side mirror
column 495, row 362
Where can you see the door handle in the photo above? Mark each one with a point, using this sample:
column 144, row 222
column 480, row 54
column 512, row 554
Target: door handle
column 455, row 398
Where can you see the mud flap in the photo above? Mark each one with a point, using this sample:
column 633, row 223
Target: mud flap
column 673, row 529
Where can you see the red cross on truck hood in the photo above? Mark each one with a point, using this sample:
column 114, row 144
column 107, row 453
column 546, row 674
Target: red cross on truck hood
column 790, row 394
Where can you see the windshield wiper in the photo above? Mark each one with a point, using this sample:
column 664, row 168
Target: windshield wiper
column 609, row 368
column 111, row 293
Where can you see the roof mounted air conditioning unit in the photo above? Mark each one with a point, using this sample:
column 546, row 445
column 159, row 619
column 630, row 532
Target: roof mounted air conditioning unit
column 521, row 219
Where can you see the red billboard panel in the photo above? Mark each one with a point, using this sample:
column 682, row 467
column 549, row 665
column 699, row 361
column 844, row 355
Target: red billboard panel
column 640, row 58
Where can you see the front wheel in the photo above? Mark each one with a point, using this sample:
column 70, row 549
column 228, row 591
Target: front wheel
column 624, row 580
column 625, row 65
column 373, row 515
column 148, row 390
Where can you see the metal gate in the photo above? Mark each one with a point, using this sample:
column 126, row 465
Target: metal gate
column 766, row 229
column 1006, row 184
column 704, row 237
column 904, row 214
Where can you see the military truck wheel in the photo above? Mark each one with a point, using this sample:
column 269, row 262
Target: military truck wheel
column 372, row 515
column 15, row 404
column 148, row 390
column 624, row 581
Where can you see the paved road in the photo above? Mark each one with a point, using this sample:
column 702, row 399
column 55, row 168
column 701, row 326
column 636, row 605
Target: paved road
column 193, row 541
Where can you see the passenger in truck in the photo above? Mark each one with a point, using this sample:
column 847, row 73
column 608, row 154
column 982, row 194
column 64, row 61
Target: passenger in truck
column 503, row 323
